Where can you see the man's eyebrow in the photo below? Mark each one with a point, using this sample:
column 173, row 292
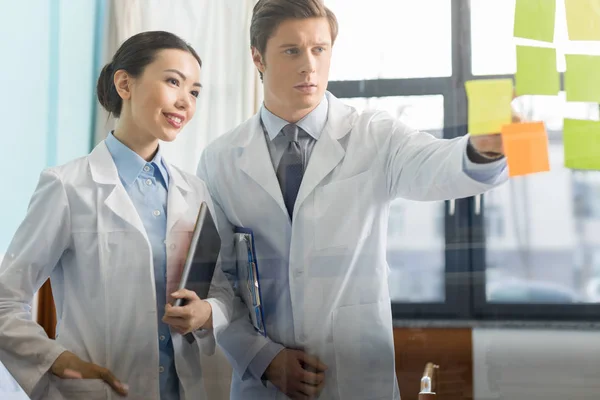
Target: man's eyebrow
column 314, row 44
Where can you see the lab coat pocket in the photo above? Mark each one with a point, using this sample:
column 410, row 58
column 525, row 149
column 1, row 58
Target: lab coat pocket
column 340, row 208
column 76, row 389
column 364, row 351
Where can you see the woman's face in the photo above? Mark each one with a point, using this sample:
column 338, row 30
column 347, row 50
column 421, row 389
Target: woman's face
column 162, row 100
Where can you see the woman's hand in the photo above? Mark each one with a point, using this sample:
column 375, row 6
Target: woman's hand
column 195, row 314
column 69, row 366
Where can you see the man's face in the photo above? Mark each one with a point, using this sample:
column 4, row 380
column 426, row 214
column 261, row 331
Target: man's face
column 295, row 66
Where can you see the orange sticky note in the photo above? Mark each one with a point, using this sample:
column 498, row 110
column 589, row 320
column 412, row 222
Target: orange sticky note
column 526, row 148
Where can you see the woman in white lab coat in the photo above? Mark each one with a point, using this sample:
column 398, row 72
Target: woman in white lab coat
column 111, row 230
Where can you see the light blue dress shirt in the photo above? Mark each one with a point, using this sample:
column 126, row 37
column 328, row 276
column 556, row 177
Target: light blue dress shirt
column 147, row 184
column 312, row 125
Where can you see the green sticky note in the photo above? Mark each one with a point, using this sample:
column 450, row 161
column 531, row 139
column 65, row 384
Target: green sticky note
column 581, row 139
column 536, row 71
column 583, row 19
column 534, row 19
column 582, row 78
column 489, row 105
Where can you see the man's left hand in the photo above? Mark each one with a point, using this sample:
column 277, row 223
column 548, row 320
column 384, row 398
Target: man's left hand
column 195, row 314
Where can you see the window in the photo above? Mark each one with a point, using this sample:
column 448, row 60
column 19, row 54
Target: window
column 548, row 254
column 396, row 56
column 415, row 244
column 382, row 39
column 528, row 249
column 495, row 220
column 493, row 45
column 416, row 252
column 420, row 112
column 545, row 262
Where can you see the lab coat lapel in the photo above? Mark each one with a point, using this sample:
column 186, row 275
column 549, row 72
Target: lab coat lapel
column 178, row 233
column 177, row 204
column 328, row 152
column 104, row 171
column 255, row 162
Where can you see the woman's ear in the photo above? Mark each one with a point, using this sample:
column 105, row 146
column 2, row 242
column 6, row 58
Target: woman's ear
column 122, row 82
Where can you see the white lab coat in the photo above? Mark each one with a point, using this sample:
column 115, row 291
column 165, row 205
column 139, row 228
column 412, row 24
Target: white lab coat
column 83, row 231
column 338, row 274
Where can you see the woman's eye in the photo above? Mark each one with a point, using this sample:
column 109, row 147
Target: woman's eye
column 195, row 93
column 173, row 81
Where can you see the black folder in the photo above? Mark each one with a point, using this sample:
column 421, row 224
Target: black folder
column 201, row 259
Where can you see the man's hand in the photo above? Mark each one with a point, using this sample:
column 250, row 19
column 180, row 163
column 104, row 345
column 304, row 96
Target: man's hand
column 194, row 315
column 297, row 374
column 69, row 366
column 491, row 145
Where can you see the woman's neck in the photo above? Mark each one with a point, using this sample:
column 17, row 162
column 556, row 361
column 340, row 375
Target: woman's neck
column 145, row 146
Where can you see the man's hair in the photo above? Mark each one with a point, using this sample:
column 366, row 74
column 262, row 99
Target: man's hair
column 268, row 14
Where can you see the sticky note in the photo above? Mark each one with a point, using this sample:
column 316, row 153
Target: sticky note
column 536, row 71
column 489, row 105
column 583, row 19
column 534, row 19
column 582, row 78
column 581, row 139
column 526, row 148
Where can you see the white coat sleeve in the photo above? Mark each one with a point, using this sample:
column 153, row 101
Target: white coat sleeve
column 418, row 166
column 238, row 339
column 35, row 250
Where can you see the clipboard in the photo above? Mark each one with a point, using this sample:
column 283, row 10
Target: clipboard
column 201, row 259
column 248, row 277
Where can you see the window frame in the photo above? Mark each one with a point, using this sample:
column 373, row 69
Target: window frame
column 457, row 288
column 465, row 285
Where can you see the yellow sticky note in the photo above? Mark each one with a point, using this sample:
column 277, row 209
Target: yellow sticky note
column 583, row 19
column 582, row 78
column 534, row 19
column 536, row 71
column 489, row 105
column 581, row 139
column 526, row 148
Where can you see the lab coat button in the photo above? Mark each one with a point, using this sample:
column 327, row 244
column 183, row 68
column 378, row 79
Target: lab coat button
column 156, row 213
column 149, row 182
column 146, row 168
column 161, row 369
column 162, row 338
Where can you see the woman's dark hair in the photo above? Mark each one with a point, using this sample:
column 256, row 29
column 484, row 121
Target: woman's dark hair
column 133, row 56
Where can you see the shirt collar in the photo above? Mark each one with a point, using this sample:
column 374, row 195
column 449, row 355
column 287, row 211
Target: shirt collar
column 129, row 164
column 313, row 123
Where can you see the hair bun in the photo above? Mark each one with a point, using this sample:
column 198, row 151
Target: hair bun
column 106, row 91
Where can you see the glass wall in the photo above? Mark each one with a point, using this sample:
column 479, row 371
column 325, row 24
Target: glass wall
column 518, row 251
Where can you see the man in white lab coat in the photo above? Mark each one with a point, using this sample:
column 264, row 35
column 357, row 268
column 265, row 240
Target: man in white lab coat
column 313, row 179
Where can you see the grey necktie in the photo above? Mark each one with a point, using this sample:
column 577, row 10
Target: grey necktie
column 290, row 169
